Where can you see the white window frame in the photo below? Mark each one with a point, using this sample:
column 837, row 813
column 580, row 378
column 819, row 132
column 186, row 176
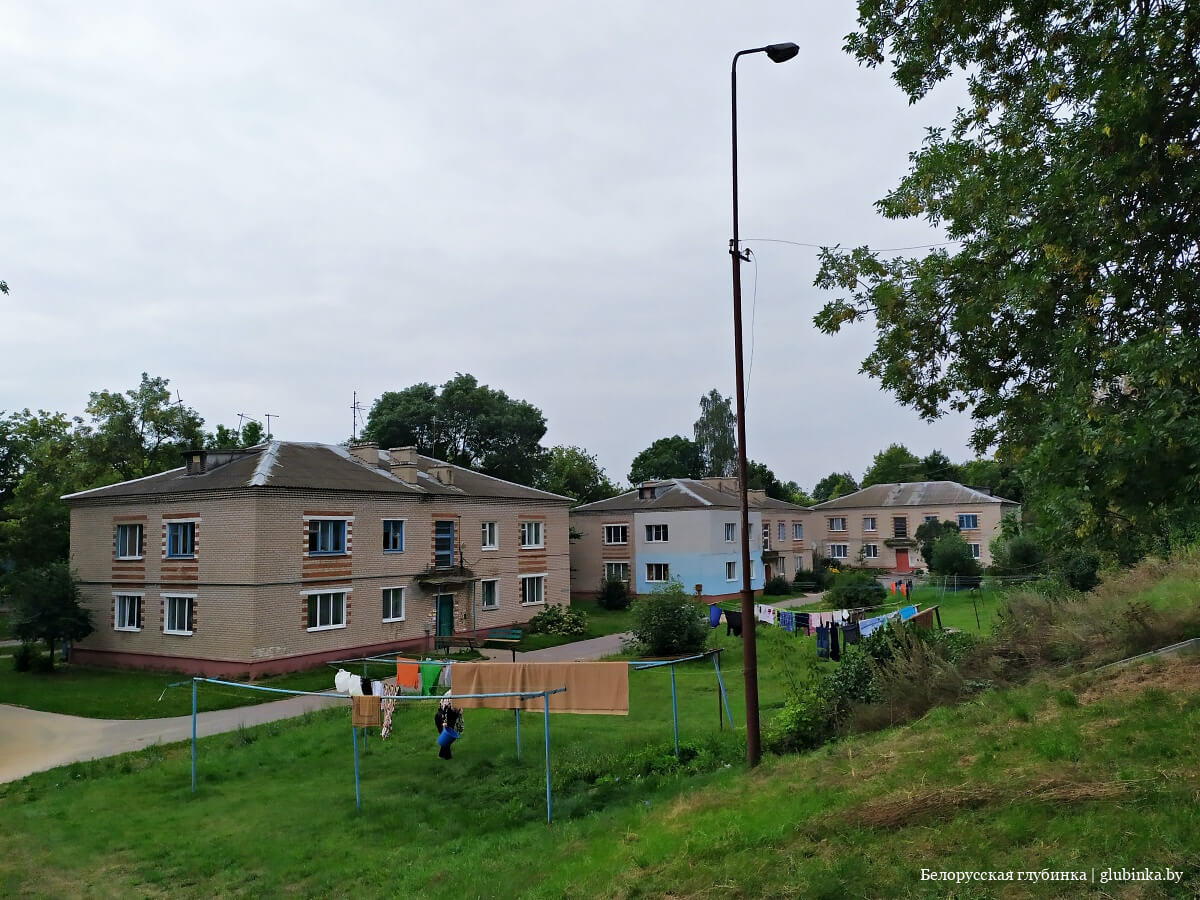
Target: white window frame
column 392, row 604
column 141, row 538
column 833, row 523
column 665, row 572
column 730, row 532
column 870, row 523
column 624, row 532
column 495, row 604
column 782, row 532
column 178, row 523
column 797, row 531
column 536, row 526
column 403, row 535
column 623, row 574
column 345, row 592
column 731, row 571
column 189, row 601
column 870, row 551
column 489, row 536
column 317, row 520
column 540, row 580
column 657, row 534
column 782, row 564
column 833, row 551
column 962, row 516
column 974, row 550
column 128, row 595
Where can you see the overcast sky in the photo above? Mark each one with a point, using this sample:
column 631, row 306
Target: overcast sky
column 276, row 205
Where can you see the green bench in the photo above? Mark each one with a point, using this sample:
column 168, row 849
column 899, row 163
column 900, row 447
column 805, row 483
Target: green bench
column 510, row 636
column 809, row 587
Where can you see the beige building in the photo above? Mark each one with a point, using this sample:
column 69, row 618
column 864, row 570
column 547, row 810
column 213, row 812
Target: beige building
column 282, row 556
column 876, row 527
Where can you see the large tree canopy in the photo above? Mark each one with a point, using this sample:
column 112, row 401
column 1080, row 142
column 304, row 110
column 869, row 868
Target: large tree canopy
column 834, row 485
column 142, row 432
column 895, row 464
column 716, row 434
column 466, row 423
column 1067, row 318
column 669, row 457
column 573, row 472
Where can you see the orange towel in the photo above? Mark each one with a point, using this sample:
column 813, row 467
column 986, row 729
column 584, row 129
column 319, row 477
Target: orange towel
column 593, row 688
column 408, row 675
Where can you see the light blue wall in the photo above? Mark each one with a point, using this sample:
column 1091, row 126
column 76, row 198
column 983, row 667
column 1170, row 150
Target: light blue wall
column 696, row 551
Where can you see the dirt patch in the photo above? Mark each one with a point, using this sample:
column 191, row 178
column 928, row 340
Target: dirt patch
column 1173, row 674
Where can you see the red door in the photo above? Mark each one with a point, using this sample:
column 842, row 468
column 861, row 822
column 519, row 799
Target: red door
column 902, row 561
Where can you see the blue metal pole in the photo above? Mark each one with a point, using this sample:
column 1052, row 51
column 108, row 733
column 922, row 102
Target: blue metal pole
column 674, row 712
column 546, row 726
column 721, row 685
column 193, row 735
column 517, row 716
column 357, row 796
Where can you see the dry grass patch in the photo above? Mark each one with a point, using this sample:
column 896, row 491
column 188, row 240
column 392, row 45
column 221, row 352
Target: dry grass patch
column 1180, row 673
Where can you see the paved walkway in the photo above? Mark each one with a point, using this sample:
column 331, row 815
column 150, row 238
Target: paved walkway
column 593, row 648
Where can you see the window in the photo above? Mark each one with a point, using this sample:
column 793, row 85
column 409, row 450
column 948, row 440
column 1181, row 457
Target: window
column 616, row 534
column 393, row 535
column 127, row 612
column 837, row 524
column 326, row 611
column 531, row 535
column 326, row 536
column 393, row 604
column 181, row 539
column 656, row 534
column 731, row 571
column 968, row 521
column 974, row 550
column 443, row 544
column 838, row 551
column 129, row 542
column 489, row 594
column 931, row 518
column 533, row 589
column 869, row 523
column 871, row 551
column 798, row 563
column 782, row 532
column 178, row 614
column 781, row 566
column 658, row 572
column 617, row 570
column 899, row 526
column 797, row 531
column 730, row 532
column 487, row 536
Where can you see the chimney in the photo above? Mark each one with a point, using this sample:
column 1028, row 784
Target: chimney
column 403, row 456
column 443, row 472
column 366, row 451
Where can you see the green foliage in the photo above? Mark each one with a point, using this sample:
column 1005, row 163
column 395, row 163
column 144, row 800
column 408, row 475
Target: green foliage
column 1066, row 315
column 573, row 472
column 952, row 556
column 669, row 457
column 224, row 438
column 46, row 606
column 777, row 586
column 893, row 465
column 141, row 431
column 1016, row 553
column 834, row 485
column 927, row 534
column 761, row 478
column 855, row 589
column 23, row 657
column 466, row 423
column 822, row 578
column 560, row 620
column 668, row 620
column 715, row 433
column 1079, row 568
column 613, row 593
column 806, row 721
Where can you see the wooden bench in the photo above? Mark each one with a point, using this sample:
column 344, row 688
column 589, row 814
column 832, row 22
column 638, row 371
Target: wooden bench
column 809, row 587
column 511, row 636
column 464, row 641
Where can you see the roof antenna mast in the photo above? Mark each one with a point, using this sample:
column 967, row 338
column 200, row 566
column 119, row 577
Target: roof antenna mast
column 269, row 417
column 356, row 412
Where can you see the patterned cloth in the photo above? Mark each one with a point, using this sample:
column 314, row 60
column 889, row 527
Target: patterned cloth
column 787, row 620
column 388, row 705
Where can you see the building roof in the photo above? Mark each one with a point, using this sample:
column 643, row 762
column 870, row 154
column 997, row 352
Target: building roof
column 326, row 467
column 686, row 493
column 914, row 493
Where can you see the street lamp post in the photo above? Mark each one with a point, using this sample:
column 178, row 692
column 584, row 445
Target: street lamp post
column 777, row 53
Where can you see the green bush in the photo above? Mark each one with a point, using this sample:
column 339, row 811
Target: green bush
column 558, row 619
column 856, row 589
column 806, row 721
column 952, row 556
column 23, row 658
column 777, row 585
column 1078, row 569
column 613, row 593
column 668, row 620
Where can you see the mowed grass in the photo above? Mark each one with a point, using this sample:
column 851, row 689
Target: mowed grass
column 600, row 622
column 1094, row 773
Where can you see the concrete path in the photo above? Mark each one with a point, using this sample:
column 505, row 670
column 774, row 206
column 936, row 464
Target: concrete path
column 807, row 600
column 593, row 648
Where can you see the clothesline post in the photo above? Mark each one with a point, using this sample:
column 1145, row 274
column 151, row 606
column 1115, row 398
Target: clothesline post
column 193, row 735
column 546, row 726
column 357, row 796
column 674, row 712
column 517, row 719
column 721, row 686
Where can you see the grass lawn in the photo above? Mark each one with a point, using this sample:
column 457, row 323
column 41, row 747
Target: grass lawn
column 1088, row 774
column 601, row 621
column 100, row 693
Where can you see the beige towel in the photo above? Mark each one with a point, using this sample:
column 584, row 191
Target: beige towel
column 365, row 712
column 593, row 688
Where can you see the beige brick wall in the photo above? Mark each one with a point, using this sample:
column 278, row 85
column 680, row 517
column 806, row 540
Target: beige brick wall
column 588, row 553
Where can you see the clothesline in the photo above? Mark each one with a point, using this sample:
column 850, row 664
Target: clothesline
column 524, row 695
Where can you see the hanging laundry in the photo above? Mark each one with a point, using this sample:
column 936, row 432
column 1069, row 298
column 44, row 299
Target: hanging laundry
column 346, row 683
column 907, row 613
column 364, row 712
column 787, row 620
column 822, row 642
column 408, row 675
column 592, row 688
column 765, row 613
column 388, row 706
column 368, row 687
column 835, row 652
column 923, row 619
column 867, row 627
column 714, row 616
column 802, row 620
column 850, row 634
column 733, row 623
column 430, row 672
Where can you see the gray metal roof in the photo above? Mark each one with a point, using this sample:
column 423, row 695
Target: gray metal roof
column 684, row 493
column 913, row 493
column 326, row 467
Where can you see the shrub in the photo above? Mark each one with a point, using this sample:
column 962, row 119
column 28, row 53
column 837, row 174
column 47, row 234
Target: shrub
column 806, row 721
column 613, row 593
column 1078, row 569
column 23, row 658
column 777, row 585
column 1019, row 554
column 668, row 620
column 856, row 589
column 952, row 556
column 559, row 619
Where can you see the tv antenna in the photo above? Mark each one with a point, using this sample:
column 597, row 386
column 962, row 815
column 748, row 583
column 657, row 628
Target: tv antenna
column 178, row 400
column 269, row 417
column 356, row 412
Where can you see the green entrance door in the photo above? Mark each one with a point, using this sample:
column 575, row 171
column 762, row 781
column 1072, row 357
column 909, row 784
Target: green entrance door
column 445, row 614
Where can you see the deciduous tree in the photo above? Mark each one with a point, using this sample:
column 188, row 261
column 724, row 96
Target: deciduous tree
column 669, row 457
column 141, row 431
column 46, row 606
column 716, row 434
column 895, row 464
column 834, row 485
column 573, row 472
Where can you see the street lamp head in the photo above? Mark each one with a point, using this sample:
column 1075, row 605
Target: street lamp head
column 782, row 52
